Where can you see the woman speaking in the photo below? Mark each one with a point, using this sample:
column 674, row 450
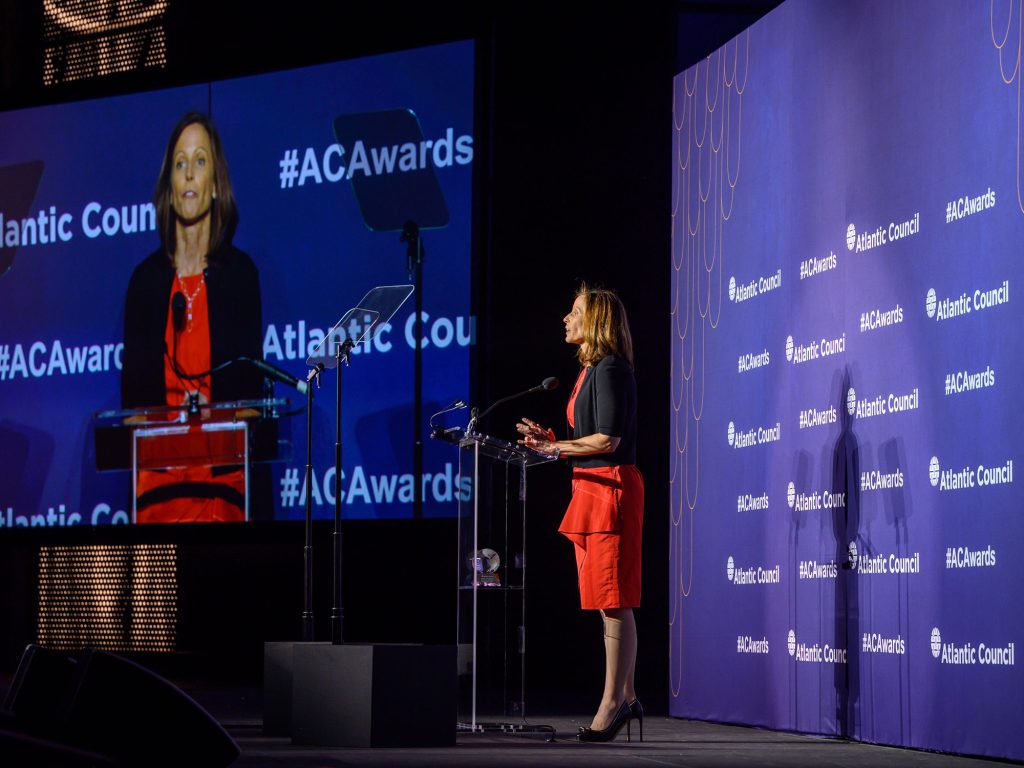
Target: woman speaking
column 605, row 517
column 192, row 305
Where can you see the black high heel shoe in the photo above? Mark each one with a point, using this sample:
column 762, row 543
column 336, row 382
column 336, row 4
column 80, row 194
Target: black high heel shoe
column 622, row 718
column 636, row 712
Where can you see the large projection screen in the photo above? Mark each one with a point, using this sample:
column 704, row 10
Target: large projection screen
column 847, row 227
column 76, row 218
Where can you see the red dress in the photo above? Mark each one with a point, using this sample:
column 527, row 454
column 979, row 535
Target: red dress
column 193, row 356
column 604, row 521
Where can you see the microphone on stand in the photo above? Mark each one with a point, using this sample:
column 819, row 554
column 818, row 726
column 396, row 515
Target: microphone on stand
column 178, row 312
column 275, row 373
column 451, row 434
column 455, row 405
column 178, row 323
column 548, row 384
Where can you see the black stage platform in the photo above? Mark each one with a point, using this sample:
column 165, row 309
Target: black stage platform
column 667, row 742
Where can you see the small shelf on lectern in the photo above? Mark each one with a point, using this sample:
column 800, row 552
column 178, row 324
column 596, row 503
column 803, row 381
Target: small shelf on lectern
column 490, row 589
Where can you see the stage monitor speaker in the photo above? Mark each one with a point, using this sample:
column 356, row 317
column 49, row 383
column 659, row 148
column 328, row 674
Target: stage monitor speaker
column 19, row 749
column 40, row 690
column 104, row 703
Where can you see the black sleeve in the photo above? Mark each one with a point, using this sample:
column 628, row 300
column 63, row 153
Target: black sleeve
column 253, row 324
column 130, row 374
column 236, row 327
column 251, row 312
column 612, row 392
column 145, row 315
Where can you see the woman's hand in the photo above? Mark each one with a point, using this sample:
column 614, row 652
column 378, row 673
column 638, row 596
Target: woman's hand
column 540, row 444
column 529, row 428
column 536, row 437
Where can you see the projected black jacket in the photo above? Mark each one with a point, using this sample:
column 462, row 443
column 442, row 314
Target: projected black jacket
column 233, row 296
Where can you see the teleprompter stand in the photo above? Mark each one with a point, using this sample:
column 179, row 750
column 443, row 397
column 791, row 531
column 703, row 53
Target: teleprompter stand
column 357, row 695
column 360, row 325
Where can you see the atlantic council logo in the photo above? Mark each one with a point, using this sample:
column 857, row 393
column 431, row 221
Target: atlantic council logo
column 791, row 642
column 851, row 401
column 731, row 433
column 732, row 289
column 971, row 653
column 969, row 477
column 930, row 303
column 851, row 237
column 789, row 349
column 853, row 554
column 730, row 567
column 791, row 495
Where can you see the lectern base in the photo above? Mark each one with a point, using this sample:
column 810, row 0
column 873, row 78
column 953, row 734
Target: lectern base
column 511, row 729
column 363, row 695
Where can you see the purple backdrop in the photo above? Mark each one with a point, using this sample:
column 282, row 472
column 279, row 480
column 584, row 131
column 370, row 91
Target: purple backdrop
column 847, row 223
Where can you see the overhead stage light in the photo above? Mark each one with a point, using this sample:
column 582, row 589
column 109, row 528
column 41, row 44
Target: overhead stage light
column 92, row 38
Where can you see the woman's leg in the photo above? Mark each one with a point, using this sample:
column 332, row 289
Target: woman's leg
column 620, row 660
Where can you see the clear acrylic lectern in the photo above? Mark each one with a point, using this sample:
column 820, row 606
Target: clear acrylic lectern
column 491, row 630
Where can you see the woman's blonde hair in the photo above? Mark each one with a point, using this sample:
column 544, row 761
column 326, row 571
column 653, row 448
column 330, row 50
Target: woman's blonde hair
column 605, row 326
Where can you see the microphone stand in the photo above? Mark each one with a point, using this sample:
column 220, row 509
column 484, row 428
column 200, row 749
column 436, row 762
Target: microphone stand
column 307, row 552
column 338, row 611
column 414, row 263
column 475, row 415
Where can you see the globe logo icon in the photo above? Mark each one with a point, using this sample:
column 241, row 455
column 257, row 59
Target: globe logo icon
column 732, row 289
column 933, row 471
column 487, row 561
column 732, row 433
column 789, row 348
column 791, row 642
column 851, row 401
column 930, row 302
column 791, row 495
column 851, row 237
column 730, row 567
column 853, row 554
column 936, row 642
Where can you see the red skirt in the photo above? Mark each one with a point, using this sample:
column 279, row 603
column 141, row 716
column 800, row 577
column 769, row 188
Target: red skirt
column 604, row 521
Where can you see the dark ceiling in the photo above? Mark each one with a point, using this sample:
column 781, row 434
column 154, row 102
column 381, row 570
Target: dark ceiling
column 209, row 41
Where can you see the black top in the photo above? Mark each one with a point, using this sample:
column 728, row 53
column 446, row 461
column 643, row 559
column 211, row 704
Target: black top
column 236, row 328
column 606, row 403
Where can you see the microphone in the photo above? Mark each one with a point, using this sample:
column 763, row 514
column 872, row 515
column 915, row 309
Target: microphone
column 455, row 405
column 548, row 384
column 178, row 323
column 273, row 372
column 451, row 434
column 178, row 311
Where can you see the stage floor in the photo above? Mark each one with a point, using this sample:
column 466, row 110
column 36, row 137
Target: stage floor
column 667, row 742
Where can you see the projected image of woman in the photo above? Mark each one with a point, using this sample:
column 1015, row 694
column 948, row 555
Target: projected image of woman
column 605, row 517
column 191, row 305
